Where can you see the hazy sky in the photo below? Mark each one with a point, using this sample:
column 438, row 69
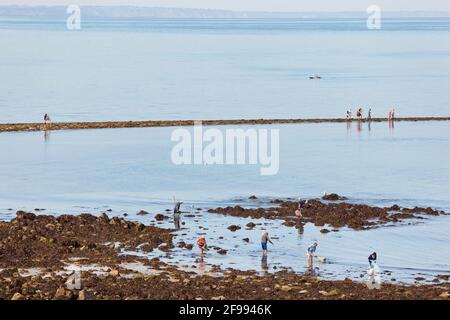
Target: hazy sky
column 261, row 5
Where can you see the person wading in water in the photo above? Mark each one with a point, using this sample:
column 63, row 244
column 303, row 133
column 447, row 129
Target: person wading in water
column 311, row 253
column 301, row 206
column 372, row 259
column 264, row 239
column 201, row 242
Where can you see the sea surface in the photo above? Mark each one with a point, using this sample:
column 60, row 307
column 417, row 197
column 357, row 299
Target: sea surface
column 135, row 69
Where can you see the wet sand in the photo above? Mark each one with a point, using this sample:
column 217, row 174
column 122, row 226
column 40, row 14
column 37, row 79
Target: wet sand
column 38, row 252
column 13, row 127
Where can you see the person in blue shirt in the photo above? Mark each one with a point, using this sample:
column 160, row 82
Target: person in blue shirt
column 311, row 253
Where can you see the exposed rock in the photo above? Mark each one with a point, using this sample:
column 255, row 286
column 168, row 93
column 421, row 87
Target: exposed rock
column 337, row 215
column 114, row 273
column 276, row 201
column 234, row 285
column 160, row 217
column 303, row 291
column 419, row 278
column 82, row 295
column 60, row 293
column 251, row 225
column 25, row 215
column 46, row 241
column 333, row 197
column 17, row 296
column 233, row 228
column 103, row 217
column 334, row 292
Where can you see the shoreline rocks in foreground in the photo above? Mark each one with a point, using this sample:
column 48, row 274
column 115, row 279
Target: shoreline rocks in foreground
column 35, row 249
column 31, row 240
column 233, row 285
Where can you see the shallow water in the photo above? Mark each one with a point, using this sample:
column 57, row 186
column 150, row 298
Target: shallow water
column 130, row 169
column 404, row 252
column 209, row 69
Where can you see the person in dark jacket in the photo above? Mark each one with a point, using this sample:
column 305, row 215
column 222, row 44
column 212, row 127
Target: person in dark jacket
column 372, row 259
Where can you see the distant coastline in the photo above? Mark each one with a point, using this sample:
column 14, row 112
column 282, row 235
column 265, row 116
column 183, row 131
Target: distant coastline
column 26, row 11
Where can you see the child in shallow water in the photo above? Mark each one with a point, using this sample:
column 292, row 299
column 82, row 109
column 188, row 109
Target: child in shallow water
column 311, row 253
column 201, row 242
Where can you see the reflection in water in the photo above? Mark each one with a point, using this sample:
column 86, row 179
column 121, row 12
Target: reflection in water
column 46, row 135
column 300, row 228
column 201, row 266
column 309, row 261
column 391, row 125
column 177, row 224
column 358, row 126
column 177, row 220
column 374, row 281
column 349, row 126
column 369, row 125
column 264, row 265
column 311, row 271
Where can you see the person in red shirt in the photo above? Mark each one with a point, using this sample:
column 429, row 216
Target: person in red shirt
column 201, row 242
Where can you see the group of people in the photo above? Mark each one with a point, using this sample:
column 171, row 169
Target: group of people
column 359, row 114
column 311, row 251
column 391, row 114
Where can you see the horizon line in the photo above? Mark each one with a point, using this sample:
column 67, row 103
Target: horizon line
column 217, row 9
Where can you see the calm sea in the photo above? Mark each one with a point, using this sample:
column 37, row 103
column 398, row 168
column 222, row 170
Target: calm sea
column 198, row 69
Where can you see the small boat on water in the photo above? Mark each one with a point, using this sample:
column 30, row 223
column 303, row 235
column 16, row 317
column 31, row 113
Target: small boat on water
column 314, row 77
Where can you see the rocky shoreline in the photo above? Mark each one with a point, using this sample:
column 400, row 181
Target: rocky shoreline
column 332, row 210
column 233, row 285
column 38, row 254
column 43, row 241
column 17, row 127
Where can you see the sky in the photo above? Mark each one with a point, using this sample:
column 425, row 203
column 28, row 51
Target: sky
column 260, row 5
